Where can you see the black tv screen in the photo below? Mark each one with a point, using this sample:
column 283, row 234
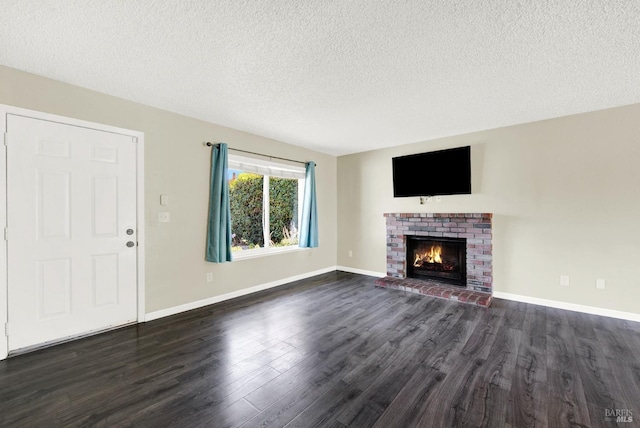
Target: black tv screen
column 445, row 172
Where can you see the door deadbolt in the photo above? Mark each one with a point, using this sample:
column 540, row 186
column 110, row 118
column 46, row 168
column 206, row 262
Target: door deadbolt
column 130, row 244
column 129, row 231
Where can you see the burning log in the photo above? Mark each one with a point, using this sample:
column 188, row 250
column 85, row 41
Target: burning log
column 434, row 255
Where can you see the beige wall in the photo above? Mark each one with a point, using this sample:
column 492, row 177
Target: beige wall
column 563, row 193
column 565, row 198
column 177, row 164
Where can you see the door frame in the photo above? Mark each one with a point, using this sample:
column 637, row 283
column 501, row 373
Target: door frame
column 6, row 110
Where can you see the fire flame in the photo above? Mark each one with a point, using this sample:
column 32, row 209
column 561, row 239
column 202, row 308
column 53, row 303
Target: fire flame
column 432, row 256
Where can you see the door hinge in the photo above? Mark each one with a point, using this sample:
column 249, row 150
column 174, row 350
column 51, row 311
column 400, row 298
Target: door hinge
column 5, row 234
column 134, row 139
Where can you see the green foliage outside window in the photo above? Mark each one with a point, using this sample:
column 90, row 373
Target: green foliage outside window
column 245, row 197
column 245, row 200
column 283, row 210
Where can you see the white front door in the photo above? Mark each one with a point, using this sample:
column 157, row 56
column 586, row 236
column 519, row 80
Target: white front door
column 71, row 223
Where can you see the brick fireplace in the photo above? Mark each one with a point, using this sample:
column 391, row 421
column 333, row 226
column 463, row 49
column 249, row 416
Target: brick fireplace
column 474, row 229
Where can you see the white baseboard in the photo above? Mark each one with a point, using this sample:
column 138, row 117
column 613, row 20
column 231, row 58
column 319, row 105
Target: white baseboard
column 216, row 299
column 361, row 271
column 630, row 316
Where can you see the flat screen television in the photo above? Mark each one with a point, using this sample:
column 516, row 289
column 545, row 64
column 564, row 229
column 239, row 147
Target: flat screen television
column 444, row 172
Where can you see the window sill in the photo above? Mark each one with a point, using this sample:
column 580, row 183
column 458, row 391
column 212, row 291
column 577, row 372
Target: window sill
column 264, row 252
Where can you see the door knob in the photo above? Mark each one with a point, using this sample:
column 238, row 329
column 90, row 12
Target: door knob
column 130, row 244
column 129, row 231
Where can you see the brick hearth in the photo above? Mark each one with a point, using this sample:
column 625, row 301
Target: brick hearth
column 442, row 291
column 476, row 228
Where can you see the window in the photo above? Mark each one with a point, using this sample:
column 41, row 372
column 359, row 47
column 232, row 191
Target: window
column 266, row 202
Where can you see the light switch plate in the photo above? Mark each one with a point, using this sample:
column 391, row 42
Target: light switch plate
column 164, row 200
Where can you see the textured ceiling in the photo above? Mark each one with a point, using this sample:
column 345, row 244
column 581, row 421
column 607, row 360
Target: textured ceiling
column 338, row 76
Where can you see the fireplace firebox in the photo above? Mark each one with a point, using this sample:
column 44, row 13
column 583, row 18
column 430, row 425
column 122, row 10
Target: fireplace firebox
column 439, row 259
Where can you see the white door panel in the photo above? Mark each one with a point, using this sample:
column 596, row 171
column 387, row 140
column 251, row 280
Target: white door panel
column 71, row 198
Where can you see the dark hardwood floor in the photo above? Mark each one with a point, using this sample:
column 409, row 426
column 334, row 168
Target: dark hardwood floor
column 335, row 351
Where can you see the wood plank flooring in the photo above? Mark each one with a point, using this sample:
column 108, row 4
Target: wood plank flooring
column 335, row 351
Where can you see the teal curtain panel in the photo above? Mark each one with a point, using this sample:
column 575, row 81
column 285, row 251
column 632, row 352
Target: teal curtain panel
column 219, row 227
column 309, row 221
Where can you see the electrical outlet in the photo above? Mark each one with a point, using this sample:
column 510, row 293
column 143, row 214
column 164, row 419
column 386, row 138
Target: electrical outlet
column 350, row 253
column 438, row 199
column 164, row 217
column 209, row 276
column 564, row 280
column 600, row 284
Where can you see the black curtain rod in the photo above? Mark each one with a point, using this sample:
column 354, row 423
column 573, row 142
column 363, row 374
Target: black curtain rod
column 210, row 144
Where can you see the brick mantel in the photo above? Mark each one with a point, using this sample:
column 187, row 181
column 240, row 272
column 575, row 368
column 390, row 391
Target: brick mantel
column 476, row 228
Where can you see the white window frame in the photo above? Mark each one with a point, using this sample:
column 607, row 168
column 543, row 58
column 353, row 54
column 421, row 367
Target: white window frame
column 267, row 169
